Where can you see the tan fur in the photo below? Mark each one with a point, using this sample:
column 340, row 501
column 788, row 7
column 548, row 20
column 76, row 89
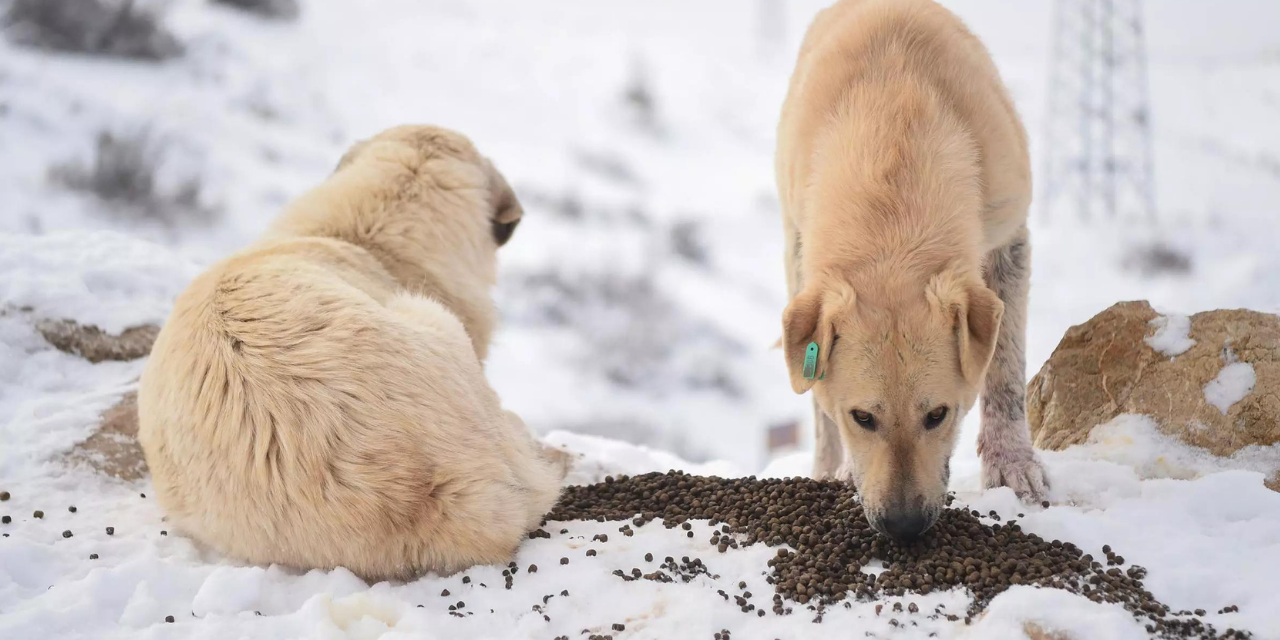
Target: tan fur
column 901, row 164
column 319, row 400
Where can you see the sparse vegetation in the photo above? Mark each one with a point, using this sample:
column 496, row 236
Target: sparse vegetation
column 639, row 101
column 275, row 9
column 122, row 174
column 1157, row 259
column 687, row 242
column 636, row 336
column 120, row 28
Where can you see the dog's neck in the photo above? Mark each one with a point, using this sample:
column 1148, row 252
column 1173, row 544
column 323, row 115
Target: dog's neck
column 466, row 295
column 410, row 252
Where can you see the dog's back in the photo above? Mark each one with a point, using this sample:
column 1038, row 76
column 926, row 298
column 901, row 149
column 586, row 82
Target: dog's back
column 881, row 52
column 301, row 408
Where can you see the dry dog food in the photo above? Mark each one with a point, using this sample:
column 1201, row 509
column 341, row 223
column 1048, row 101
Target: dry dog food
column 824, row 524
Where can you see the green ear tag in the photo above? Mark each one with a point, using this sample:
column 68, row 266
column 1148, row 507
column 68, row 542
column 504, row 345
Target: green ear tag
column 811, row 361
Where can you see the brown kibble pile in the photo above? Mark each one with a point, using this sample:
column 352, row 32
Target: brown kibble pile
column 824, row 523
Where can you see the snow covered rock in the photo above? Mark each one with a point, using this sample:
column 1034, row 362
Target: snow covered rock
column 1210, row 380
column 94, row 344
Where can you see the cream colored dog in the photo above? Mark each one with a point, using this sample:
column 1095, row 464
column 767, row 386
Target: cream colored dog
column 904, row 179
column 318, row 399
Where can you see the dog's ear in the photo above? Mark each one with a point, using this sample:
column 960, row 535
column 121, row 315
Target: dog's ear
column 808, row 319
column 506, row 210
column 975, row 313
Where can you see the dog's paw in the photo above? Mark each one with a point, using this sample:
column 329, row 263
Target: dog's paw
column 1020, row 471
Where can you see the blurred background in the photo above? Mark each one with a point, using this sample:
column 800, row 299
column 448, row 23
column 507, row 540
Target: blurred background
column 643, row 292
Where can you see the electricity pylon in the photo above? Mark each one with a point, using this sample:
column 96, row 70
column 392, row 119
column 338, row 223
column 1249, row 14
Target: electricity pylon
column 1098, row 126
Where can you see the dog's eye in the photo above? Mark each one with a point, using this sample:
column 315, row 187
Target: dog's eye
column 935, row 417
column 502, row 231
column 864, row 420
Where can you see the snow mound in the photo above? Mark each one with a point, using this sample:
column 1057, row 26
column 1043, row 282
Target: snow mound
column 1172, row 336
column 1135, row 441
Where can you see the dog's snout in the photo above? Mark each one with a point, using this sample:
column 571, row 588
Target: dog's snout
column 905, row 526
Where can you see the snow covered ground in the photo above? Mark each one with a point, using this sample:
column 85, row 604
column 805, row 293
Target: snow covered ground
column 639, row 135
column 1207, row 529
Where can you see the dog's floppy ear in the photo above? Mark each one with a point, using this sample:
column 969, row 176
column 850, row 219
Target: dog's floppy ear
column 808, row 320
column 975, row 313
column 506, row 209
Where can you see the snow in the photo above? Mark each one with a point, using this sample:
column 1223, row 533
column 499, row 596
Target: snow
column 1156, row 501
column 1136, row 443
column 100, row 278
column 261, row 111
column 1230, row 386
column 1172, row 336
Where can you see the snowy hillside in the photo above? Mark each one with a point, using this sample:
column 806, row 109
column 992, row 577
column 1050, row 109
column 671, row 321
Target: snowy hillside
column 640, row 295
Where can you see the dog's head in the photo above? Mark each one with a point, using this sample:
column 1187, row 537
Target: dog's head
column 896, row 369
column 440, row 171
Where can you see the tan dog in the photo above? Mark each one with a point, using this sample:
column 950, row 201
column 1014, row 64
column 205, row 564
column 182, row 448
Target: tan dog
column 904, row 180
column 318, row 400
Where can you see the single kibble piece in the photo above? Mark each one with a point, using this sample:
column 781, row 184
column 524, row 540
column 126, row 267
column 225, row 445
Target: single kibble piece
column 591, row 552
column 72, row 508
column 111, row 531
column 6, row 519
column 648, row 557
column 618, row 626
column 164, row 533
column 564, row 561
column 37, row 514
column 168, row 618
column 444, row 594
column 93, row 556
column 466, row 579
column 533, row 568
column 4, row 495
column 66, row 534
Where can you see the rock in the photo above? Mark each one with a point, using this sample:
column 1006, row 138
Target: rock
column 114, row 448
column 96, row 345
column 1217, row 388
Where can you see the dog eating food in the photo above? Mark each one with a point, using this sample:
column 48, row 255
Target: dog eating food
column 824, row 523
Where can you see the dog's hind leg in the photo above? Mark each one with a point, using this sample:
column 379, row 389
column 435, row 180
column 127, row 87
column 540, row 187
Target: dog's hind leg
column 1004, row 442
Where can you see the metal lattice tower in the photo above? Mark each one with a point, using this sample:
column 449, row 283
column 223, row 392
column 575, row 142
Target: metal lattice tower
column 1098, row 133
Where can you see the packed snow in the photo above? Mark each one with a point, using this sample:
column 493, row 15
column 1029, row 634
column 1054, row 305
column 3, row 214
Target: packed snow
column 638, row 135
column 1172, row 336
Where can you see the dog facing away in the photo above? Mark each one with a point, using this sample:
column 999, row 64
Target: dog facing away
column 904, row 181
column 319, row 400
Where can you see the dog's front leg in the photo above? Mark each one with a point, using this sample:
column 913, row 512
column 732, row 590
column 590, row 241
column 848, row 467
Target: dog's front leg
column 1004, row 442
column 828, row 452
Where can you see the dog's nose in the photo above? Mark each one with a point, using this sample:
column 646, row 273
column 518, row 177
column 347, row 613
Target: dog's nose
column 905, row 526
